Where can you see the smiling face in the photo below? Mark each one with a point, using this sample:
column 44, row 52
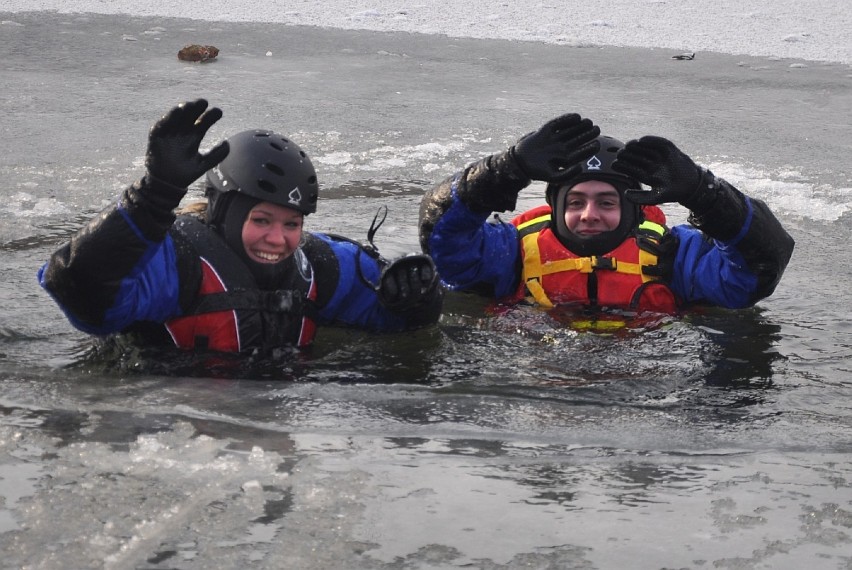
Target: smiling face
column 592, row 207
column 271, row 233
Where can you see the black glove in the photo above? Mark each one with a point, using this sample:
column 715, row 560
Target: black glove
column 173, row 143
column 672, row 175
column 555, row 151
column 408, row 282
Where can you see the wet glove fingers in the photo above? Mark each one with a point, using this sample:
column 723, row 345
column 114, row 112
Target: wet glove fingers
column 397, row 287
column 552, row 152
column 173, row 153
column 426, row 277
column 408, row 282
column 639, row 162
column 658, row 163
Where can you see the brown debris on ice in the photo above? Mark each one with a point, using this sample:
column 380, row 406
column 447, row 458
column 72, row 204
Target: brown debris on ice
column 196, row 52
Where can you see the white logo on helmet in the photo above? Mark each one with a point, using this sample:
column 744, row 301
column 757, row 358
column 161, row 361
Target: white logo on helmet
column 220, row 176
column 593, row 163
column 295, row 196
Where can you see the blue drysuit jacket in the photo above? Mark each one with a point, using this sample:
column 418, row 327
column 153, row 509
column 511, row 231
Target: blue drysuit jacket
column 126, row 268
column 733, row 256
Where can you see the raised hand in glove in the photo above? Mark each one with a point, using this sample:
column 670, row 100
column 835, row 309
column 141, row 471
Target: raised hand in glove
column 554, row 152
column 173, row 142
column 671, row 174
column 408, row 282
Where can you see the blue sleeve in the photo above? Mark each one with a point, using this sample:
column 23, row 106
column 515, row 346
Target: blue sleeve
column 709, row 271
column 468, row 251
column 150, row 292
column 147, row 290
column 354, row 302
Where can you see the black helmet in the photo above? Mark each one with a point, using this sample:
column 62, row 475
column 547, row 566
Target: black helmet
column 598, row 167
column 262, row 166
column 269, row 167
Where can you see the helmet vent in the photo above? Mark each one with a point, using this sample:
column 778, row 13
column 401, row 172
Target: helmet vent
column 266, row 186
column 274, row 168
column 268, row 167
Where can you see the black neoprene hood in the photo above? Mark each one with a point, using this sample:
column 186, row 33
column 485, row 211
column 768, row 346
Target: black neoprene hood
column 598, row 167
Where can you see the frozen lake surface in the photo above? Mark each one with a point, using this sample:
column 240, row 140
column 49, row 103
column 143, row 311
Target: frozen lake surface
column 718, row 440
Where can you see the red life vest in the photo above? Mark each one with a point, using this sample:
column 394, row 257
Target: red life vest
column 623, row 278
column 230, row 313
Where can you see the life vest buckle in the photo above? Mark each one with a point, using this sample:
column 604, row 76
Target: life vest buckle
column 585, row 264
column 608, row 263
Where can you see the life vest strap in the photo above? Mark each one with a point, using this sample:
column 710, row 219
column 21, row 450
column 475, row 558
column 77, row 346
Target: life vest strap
column 537, row 291
column 589, row 264
column 279, row 301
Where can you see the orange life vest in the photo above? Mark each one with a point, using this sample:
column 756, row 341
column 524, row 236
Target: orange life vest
column 624, row 278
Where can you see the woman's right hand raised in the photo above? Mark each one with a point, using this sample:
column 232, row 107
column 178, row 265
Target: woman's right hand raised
column 173, row 153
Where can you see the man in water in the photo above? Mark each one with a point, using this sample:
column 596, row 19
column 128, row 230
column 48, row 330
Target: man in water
column 601, row 241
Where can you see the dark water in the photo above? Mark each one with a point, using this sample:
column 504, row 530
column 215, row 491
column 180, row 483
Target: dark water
column 721, row 439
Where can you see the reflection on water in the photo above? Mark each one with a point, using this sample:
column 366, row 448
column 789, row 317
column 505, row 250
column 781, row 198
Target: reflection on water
column 520, row 370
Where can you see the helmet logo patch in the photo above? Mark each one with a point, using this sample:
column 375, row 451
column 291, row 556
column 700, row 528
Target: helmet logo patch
column 295, row 196
column 593, row 163
column 220, row 176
